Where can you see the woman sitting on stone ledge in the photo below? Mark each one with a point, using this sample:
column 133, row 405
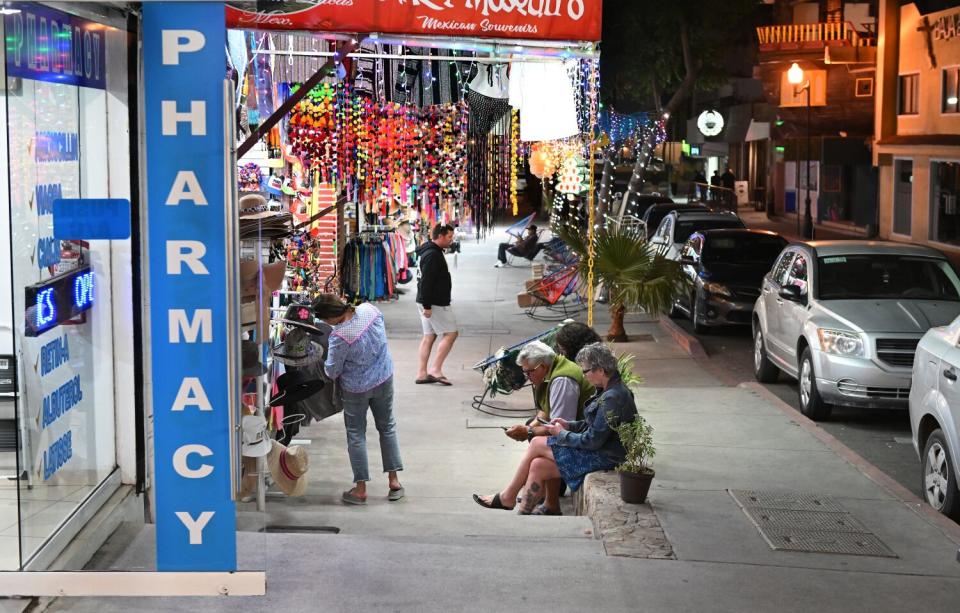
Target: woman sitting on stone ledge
column 572, row 450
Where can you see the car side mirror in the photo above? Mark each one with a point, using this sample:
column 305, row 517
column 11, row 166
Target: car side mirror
column 688, row 261
column 791, row 293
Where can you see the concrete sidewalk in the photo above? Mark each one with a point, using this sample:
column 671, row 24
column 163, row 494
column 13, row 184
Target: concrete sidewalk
column 438, row 551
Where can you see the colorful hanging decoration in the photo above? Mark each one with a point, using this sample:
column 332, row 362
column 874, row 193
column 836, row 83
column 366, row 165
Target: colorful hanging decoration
column 514, row 161
column 572, row 177
column 249, row 177
column 386, row 153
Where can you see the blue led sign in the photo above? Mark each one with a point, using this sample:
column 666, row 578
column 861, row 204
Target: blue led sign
column 53, row 302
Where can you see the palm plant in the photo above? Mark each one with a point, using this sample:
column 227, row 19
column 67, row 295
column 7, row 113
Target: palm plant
column 634, row 272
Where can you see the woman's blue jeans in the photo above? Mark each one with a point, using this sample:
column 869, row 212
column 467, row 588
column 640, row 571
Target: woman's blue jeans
column 380, row 402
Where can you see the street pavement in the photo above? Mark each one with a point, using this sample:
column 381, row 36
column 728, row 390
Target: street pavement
column 438, row 551
column 881, row 436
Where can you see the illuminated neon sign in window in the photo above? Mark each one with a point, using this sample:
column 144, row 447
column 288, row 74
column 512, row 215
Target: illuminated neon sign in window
column 58, row 300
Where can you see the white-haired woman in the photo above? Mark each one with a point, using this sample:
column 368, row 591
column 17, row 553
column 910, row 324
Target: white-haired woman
column 573, row 449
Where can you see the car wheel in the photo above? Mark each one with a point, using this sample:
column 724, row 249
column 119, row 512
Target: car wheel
column 939, row 477
column 698, row 326
column 764, row 370
column 811, row 404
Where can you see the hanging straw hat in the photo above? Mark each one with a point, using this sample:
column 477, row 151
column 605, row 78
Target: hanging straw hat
column 288, row 465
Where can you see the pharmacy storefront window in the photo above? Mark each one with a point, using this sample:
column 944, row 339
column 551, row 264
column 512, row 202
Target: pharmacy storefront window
column 66, row 323
column 944, row 211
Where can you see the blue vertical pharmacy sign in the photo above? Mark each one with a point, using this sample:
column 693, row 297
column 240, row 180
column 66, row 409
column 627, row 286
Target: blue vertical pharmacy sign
column 183, row 59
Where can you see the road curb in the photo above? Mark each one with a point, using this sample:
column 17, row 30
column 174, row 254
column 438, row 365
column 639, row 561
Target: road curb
column 688, row 342
column 887, row 483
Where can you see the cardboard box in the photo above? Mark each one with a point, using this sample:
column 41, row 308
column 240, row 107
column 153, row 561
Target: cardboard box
column 525, row 301
column 537, row 270
column 529, row 284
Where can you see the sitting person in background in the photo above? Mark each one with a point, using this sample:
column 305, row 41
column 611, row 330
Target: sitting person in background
column 526, row 247
column 572, row 450
column 559, row 392
column 574, row 336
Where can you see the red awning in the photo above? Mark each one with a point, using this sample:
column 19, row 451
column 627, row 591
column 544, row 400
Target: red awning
column 572, row 20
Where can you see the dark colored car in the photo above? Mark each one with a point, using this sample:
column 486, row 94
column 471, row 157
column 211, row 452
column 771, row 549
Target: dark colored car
column 638, row 205
column 656, row 212
column 727, row 269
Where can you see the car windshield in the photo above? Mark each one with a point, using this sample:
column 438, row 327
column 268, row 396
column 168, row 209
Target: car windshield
column 743, row 249
column 686, row 228
column 851, row 277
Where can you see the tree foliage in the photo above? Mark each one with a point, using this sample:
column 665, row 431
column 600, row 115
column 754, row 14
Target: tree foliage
column 634, row 271
column 642, row 62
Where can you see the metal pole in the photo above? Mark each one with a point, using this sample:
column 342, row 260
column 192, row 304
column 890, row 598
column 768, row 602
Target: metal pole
column 807, row 218
column 796, row 187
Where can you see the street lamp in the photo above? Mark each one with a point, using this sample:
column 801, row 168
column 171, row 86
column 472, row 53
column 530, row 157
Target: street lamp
column 796, row 77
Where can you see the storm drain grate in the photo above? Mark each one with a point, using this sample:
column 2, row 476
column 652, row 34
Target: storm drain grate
column 300, row 529
column 790, row 501
column 849, row 543
column 779, row 520
column 806, row 522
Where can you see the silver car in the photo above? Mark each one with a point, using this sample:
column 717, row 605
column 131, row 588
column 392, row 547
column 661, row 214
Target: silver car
column 845, row 317
column 935, row 416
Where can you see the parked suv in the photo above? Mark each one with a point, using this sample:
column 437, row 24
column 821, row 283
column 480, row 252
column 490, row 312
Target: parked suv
column 726, row 268
column 845, row 317
column 935, row 416
column 678, row 226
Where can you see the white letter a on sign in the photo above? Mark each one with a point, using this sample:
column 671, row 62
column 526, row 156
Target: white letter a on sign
column 186, row 187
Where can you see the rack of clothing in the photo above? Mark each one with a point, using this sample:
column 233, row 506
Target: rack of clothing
column 374, row 263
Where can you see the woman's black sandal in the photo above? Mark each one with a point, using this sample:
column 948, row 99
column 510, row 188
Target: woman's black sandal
column 496, row 503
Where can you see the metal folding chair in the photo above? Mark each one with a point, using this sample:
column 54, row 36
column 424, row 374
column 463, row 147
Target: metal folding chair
column 557, row 295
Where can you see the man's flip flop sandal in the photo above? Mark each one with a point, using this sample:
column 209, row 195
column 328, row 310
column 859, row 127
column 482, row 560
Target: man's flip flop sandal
column 493, row 504
column 428, row 379
column 443, row 381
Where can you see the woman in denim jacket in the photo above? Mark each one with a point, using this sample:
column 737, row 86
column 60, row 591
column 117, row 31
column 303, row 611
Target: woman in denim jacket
column 573, row 449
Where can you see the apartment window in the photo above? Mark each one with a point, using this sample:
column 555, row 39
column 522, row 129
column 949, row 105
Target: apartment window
column 951, row 96
column 944, row 214
column 902, row 196
column 909, row 94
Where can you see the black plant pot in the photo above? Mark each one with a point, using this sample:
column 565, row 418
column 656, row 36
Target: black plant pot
column 635, row 486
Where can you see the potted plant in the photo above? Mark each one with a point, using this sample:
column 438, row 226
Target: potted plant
column 636, row 475
column 634, row 272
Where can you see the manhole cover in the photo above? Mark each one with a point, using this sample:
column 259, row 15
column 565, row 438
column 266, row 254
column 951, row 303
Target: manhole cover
column 812, row 523
column 300, row 529
column 780, row 520
column 790, row 501
column 829, row 542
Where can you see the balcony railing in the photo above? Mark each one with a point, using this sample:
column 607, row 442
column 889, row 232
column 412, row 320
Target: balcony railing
column 795, row 35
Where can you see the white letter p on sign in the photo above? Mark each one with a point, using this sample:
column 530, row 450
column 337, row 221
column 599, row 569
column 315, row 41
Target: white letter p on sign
column 176, row 42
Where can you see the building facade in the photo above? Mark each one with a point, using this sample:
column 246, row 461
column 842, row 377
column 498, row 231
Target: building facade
column 918, row 124
column 69, row 362
column 824, row 123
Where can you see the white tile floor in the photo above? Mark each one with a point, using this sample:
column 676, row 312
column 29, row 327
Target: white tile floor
column 41, row 510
